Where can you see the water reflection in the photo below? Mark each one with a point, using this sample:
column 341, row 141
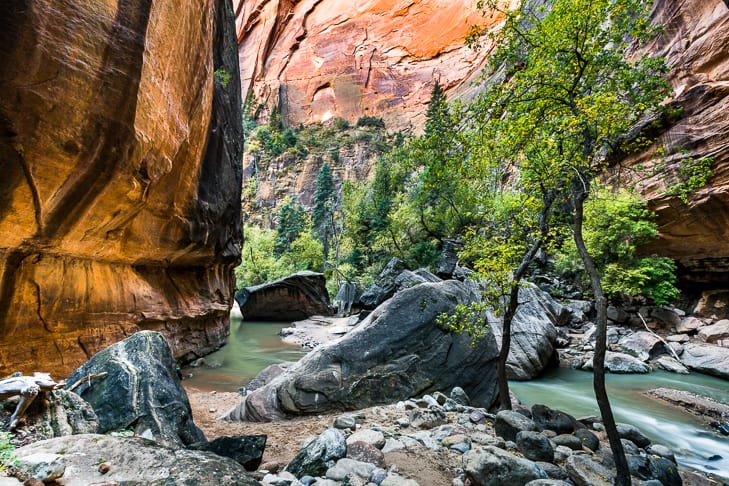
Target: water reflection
column 251, row 347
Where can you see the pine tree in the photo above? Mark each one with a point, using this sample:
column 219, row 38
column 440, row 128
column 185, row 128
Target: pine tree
column 324, row 201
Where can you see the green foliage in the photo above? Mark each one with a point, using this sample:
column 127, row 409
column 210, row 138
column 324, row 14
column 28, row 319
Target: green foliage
column 616, row 226
column 291, row 223
column 7, row 449
column 340, row 123
column 371, row 121
column 222, row 77
column 692, row 174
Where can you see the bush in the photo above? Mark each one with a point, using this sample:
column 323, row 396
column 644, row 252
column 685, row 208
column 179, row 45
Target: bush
column 371, row 121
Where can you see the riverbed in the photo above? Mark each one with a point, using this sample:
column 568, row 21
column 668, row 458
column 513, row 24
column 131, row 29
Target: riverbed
column 253, row 346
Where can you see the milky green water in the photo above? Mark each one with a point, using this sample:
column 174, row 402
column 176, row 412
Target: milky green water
column 692, row 442
column 251, row 347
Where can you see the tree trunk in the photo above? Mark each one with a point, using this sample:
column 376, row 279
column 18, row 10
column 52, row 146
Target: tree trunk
column 598, row 379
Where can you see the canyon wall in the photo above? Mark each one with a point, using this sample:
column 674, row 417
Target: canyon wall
column 319, row 59
column 120, row 147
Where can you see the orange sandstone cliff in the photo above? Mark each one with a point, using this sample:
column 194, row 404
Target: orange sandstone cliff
column 119, row 176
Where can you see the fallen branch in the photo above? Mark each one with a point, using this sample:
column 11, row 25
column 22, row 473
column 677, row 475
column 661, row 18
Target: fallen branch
column 645, row 324
column 86, row 379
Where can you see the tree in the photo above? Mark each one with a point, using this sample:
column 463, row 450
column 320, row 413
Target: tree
column 324, row 205
column 291, row 223
column 563, row 89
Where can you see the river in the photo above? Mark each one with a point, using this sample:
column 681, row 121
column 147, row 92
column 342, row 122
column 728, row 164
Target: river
column 254, row 345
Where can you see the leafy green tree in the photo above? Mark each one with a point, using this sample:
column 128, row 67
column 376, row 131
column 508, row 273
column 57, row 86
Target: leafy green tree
column 564, row 90
column 616, row 225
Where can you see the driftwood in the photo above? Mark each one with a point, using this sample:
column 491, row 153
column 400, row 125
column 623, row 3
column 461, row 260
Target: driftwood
column 27, row 387
column 85, row 379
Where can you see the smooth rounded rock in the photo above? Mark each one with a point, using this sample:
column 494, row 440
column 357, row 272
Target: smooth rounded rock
column 583, row 471
column 588, row 439
column 556, row 420
column 509, row 423
column 568, row 440
column 494, row 467
column 364, row 452
column 534, row 446
column 633, row 434
column 370, row 436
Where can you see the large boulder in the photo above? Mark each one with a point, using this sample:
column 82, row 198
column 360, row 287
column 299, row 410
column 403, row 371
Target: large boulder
column 141, row 390
column 533, row 333
column 136, row 461
column 715, row 332
column 707, row 358
column 291, row 298
column 59, row 413
column 643, row 345
column 397, row 352
column 120, row 155
column 385, row 286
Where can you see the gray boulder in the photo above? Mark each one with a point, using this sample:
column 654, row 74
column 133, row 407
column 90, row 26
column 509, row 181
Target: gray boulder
column 633, row 434
column 141, row 390
column 492, row 466
column 689, row 324
column 620, row 363
column 548, row 419
column 534, row 446
column 397, row 352
column 715, row 332
column 707, row 358
column 671, row 364
column 292, row 298
column 246, row 450
column 643, row 345
column 533, row 333
column 136, row 461
column 319, row 454
column 584, row 471
column 61, row 413
column 509, row 423
column 385, row 286
column 448, row 258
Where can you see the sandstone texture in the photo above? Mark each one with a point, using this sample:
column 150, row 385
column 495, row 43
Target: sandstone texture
column 694, row 45
column 120, row 156
column 319, row 59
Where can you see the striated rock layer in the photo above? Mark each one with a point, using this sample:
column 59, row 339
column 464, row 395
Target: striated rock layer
column 696, row 33
column 120, row 189
column 323, row 58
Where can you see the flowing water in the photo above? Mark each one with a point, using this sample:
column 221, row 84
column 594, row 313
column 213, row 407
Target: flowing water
column 253, row 346
column 695, row 445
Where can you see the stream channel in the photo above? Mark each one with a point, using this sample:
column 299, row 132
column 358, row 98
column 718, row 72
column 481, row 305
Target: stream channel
column 254, row 345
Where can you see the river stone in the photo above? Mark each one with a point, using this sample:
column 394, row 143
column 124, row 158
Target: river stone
column 715, row 332
column 345, row 422
column 633, row 434
column 643, row 345
column 508, row 423
column 346, row 466
column 362, row 451
column 669, row 316
column 491, row 466
column 707, row 358
column 137, row 461
column 629, row 447
column 370, row 436
column 459, row 396
column 548, row 419
column 588, row 439
column 568, row 440
column 533, row 333
column 534, row 446
column 665, row 471
column 661, row 451
column 43, row 466
column 141, row 390
column 318, row 454
column 397, row 352
column 291, row 298
column 393, row 479
column 617, row 314
column 246, row 450
column 583, row 471
column 624, row 363
column 552, row 470
column 670, row 364
column 427, row 418
column 547, row 482
column 689, row 324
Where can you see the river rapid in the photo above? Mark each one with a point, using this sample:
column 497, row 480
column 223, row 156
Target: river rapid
column 253, row 346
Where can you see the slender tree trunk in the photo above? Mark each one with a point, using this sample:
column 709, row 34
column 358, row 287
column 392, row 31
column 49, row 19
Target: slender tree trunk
column 598, row 379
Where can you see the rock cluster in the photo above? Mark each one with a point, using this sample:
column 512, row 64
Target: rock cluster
column 531, row 447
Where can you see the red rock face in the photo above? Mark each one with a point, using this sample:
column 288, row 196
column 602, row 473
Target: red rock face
column 114, row 211
column 328, row 58
column 694, row 43
column 321, row 58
